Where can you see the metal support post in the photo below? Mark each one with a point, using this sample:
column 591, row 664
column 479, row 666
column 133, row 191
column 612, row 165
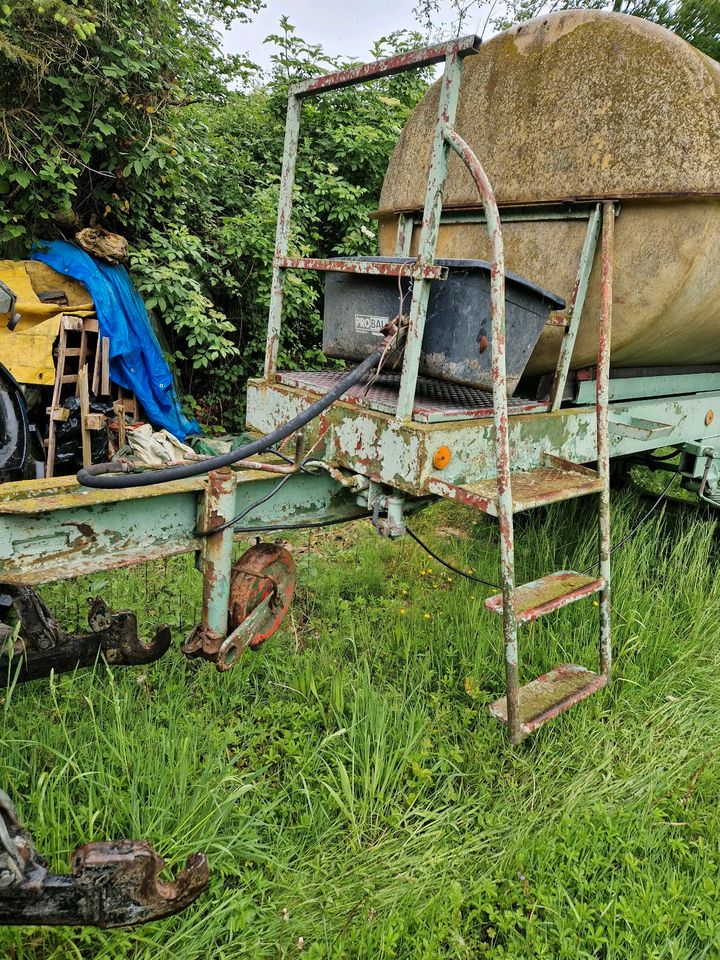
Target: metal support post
column 578, row 302
column 432, row 213
column 282, row 233
column 218, row 506
column 603, row 429
column 403, row 242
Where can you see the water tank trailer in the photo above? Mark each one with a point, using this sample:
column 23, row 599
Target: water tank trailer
column 546, row 304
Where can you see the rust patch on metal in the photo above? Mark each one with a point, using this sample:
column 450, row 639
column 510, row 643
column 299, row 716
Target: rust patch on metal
column 550, row 695
column 202, row 642
column 549, row 593
column 265, row 572
column 111, row 884
column 412, row 268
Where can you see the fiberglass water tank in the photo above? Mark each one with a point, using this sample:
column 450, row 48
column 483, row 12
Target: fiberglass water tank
column 580, row 106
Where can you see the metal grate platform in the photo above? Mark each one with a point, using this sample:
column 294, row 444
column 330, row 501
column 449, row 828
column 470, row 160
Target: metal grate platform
column 434, row 399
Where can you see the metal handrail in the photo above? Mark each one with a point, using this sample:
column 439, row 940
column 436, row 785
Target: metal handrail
column 388, row 66
column 500, row 413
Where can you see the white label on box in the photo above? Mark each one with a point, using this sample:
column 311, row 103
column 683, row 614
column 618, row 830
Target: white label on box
column 367, row 324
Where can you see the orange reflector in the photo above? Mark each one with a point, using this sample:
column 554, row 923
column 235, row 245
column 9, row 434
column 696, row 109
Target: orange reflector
column 441, row 458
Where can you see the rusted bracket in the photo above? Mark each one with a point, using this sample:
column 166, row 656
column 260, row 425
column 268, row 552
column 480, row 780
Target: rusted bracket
column 111, row 884
column 42, row 646
column 261, row 591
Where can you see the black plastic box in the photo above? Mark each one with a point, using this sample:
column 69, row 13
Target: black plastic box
column 456, row 342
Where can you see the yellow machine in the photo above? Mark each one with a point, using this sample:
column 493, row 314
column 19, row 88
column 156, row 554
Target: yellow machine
column 42, row 296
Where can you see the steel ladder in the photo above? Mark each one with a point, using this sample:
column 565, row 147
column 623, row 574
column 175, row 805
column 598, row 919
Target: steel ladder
column 523, row 708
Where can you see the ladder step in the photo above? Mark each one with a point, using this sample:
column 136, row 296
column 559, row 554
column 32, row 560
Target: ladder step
column 549, row 593
column 550, row 695
column 557, row 480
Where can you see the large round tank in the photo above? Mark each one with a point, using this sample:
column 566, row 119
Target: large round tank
column 581, row 106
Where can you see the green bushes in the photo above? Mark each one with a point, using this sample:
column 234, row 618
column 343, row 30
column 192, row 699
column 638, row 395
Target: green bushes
column 126, row 113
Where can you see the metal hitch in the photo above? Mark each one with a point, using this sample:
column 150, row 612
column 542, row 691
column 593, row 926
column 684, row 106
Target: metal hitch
column 110, row 884
column 42, row 646
column 262, row 584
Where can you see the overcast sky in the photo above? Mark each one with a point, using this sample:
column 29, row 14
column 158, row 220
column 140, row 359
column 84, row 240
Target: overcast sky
column 340, row 26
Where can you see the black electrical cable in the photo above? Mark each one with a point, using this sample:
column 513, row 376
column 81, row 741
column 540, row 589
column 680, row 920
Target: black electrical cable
column 468, row 576
column 639, row 524
column 661, row 458
column 312, row 525
column 95, row 475
column 250, row 507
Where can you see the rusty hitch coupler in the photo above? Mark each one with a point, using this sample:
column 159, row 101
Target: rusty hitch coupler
column 262, row 584
column 111, row 884
column 42, row 646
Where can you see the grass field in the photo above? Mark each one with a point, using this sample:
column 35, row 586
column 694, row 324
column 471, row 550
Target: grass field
column 347, row 783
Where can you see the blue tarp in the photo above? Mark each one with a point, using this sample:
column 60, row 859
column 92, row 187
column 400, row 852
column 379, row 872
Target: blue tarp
column 136, row 360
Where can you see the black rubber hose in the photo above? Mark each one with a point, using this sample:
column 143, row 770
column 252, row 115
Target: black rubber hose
column 110, row 476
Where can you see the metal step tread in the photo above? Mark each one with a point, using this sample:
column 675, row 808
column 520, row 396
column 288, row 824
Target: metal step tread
column 551, row 592
column 555, row 481
column 550, row 695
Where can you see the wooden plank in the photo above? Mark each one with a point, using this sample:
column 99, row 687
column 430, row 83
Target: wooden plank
column 55, row 402
column 84, row 394
column 105, row 367
column 83, row 348
column 96, row 368
column 59, row 414
column 95, row 421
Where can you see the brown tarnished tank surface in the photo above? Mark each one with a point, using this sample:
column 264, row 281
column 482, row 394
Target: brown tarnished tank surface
column 585, row 105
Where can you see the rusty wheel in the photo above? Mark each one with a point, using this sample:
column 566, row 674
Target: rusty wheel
column 265, row 572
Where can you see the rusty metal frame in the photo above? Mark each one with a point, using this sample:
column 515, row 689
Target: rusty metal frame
column 567, row 346
column 387, row 67
column 451, row 52
column 500, row 414
column 55, row 530
column 373, row 268
column 603, row 429
column 399, row 454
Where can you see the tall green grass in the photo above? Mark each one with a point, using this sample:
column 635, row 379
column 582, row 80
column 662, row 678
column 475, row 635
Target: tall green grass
column 353, row 794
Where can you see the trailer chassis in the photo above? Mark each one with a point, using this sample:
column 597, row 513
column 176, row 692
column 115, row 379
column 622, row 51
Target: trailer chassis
column 367, row 461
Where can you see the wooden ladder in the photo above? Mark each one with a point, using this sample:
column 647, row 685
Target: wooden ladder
column 71, row 370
